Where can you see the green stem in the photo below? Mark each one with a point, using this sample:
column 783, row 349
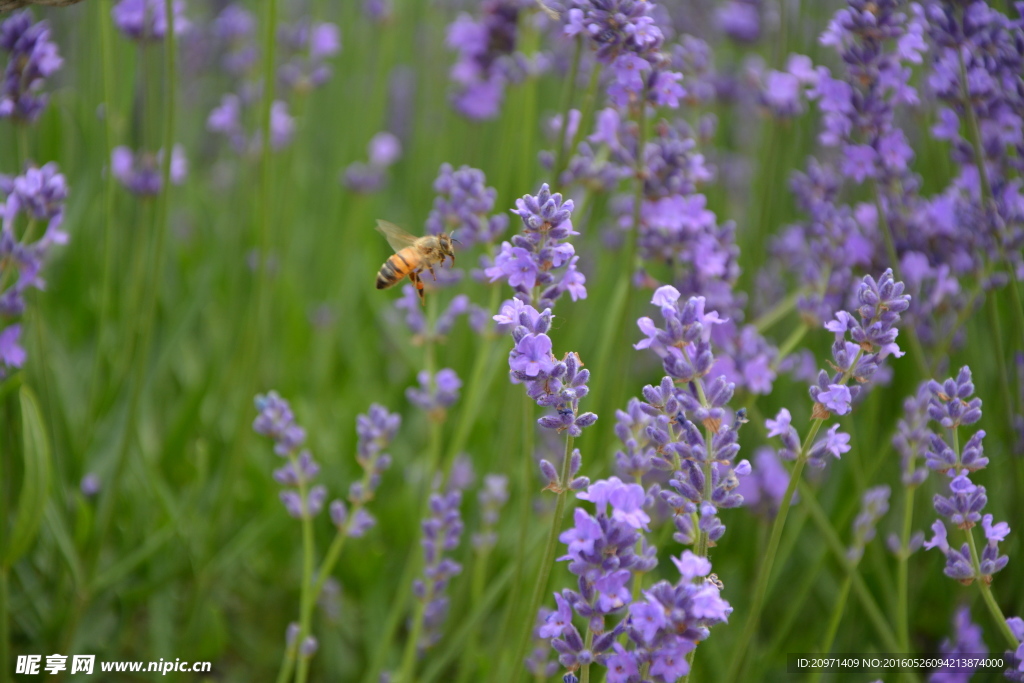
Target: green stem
column 838, row 550
column 306, row 595
column 468, row 666
column 22, row 137
column 615, row 326
column 561, row 159
column 284, row 674
column 589, row 100
column 986, row 594
column 585, row 669
column 1000, row 356
column 530, row 39
column 107, row 50
column 902, row 569
column 790, row 344
column 7, row 447
column 263, row 200
column 777, row 312
column 412, row 566
column 5, row 655
column 525, row 473
column 547, row 560
column 109, row 496
column 409, row 658
column 833, row 624
column 983, row 582
column 479, row 381
column 768, row 561
column 941, row 351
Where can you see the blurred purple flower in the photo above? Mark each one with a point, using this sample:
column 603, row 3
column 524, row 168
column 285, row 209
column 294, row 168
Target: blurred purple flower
column 32, row 58
column 141, row 173
column 147, row 20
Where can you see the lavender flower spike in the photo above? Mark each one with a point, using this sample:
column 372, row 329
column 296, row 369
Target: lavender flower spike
column 442, row 532
column 146, row 20
column 32, row 58
column 860, row 345
column 276, row 420
column 540, row 264
column 952, row 405
column 39, row 194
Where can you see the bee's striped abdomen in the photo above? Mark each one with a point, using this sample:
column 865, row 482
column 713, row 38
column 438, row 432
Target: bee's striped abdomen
column 397, row 267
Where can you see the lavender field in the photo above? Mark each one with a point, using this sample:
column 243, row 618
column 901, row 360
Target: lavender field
column 695, row 353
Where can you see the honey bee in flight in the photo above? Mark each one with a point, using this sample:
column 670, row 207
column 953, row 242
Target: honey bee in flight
column 412, row 256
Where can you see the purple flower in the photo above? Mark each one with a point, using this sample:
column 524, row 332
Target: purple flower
column 384, row 149
column 442, row 532
column 661, row 627
column 666, row 90
column 226, row 117
column 995, row 533
column 859, row 162
column 1015, row 659
column 836, row 399
column 492, row 497
column 436, row 394
column 528, row 263
column 622, row 666
column 486, row 60
column 549, row 382
column 517, row 266
column 532, row 355
column 740, row 20
column 581, row 537
column 305, row 47
column 324, row 41
column 764, row 489
column 683, row 345
column 463, row 206
column 90, row 485
column 780, row 425
column 559, row 620
column 647, row 618
column 39, row 194
column 147, row 20
column 873, row 336
column 627, row 501
column 628, row 70
column 33, row 57
column 282, row 125
column 952, row 405
column 836, row 442
column 624, row 35
column 966, row 642
column 12, row 355
column 782, row 94
column 670, row 662
column 276, row 420
column 912, row 436
column 141, row 173
column 874, row 505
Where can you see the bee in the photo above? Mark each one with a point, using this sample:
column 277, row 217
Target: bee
column 412, row 256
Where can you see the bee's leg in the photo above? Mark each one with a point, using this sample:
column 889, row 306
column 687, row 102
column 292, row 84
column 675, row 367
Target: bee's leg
column 414, row 277
column 431, row 269
column 453, row 259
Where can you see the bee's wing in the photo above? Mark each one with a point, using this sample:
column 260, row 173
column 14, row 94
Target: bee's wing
column 398, row 239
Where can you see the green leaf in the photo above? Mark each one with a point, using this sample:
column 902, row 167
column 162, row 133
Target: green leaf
column 35, row 488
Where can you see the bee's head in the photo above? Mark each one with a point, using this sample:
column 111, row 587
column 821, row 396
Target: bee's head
column 445, row 241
